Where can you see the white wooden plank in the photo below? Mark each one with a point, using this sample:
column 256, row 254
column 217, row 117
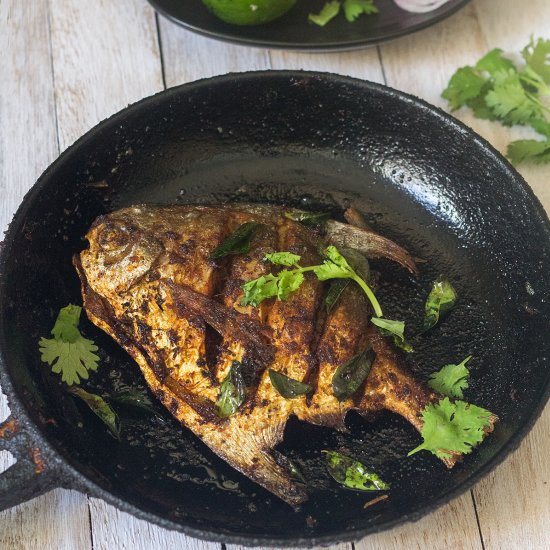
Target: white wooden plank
column 105, row 56
column 452, row 526
column 360, row 64
column 134, row 534
column 28, row 144
column 188, row 56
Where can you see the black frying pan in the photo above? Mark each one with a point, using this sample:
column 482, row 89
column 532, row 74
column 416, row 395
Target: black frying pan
column 309, row 140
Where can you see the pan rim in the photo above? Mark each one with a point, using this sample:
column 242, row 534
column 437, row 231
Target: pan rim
column 80, row 479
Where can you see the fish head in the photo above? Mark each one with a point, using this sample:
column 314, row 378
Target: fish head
column 121, row 253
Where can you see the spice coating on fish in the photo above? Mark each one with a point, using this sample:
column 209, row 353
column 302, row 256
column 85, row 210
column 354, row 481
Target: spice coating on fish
column 148, row 280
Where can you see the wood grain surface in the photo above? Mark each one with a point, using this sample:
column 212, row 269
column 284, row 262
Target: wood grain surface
column 67, row 64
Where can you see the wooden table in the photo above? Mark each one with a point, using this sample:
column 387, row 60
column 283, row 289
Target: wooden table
column 67, row 64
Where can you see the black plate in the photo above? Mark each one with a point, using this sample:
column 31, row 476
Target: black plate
column 294, row 32
column 420, row 176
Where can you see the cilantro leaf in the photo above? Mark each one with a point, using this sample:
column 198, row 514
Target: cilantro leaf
column 510, row 101
column 354, row 8
column 69, row 353
column 238, row 242
column 531, row 150
column 537, row 56
column 494, row 62
column 282, row 285
column 464, row 85
column 441, row 299
column 451, row 379
column 100, row 408
column 395, row 329
column 353, row 474
column 329, row 11
column 451, row 428
column 283, row 258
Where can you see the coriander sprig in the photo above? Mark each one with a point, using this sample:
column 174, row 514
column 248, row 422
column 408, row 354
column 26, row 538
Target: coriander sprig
column 280, row 286
column 495, row 88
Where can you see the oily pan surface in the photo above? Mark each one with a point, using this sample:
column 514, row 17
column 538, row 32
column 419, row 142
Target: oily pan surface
column 438, row 194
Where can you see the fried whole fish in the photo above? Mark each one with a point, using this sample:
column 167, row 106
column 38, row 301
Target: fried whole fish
column 148, row 280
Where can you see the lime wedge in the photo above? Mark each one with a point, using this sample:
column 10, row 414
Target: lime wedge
column 249, row 12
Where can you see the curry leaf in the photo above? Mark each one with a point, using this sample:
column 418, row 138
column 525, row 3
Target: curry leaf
column 442, row 298
column 348, row 377
column 353, row 474
column 232, row 391
column 238, row 242
column 288, row 387
column 133, row 398
column 100, row 408
column 334, row 292
column 310, row 219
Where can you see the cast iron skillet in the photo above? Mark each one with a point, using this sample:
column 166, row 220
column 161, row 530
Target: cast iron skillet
column 294, row 32
column 313, row 140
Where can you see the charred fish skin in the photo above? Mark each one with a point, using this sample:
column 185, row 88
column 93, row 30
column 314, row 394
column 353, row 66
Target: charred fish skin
column 149, row 281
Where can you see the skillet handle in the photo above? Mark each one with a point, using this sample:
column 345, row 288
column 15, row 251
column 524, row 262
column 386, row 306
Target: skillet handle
column 30, row 476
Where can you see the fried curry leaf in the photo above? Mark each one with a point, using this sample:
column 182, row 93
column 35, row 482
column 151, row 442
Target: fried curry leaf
column 232, row 391
column 311, row 219
column 353, row 474
column 295, row 472
column 441, row 299
column 334, row 292
column 395, row 329
column 288, row 387
column 68, row 352
column 100, row 408
column 238, row 242
column 283, row 258
column 348, row 377
column 451, row 379
column 451, row 428
column 133, row 398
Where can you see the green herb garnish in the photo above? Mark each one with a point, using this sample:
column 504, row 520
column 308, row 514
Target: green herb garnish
column 281, row 285
column 310, row 219
column 348, row 377
column 334, row 292
column 283, row 258
column 353, row 474
column 498, row 89
column 395, row 329
column 451, row 428
column 451, row 379
column 133, row 398
column 238, row 242
column 100, row 408
column 68, row 352
column 232, row 391
column 442, row 299
column 328, row 12
column 354, row 8
column 288, row 387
